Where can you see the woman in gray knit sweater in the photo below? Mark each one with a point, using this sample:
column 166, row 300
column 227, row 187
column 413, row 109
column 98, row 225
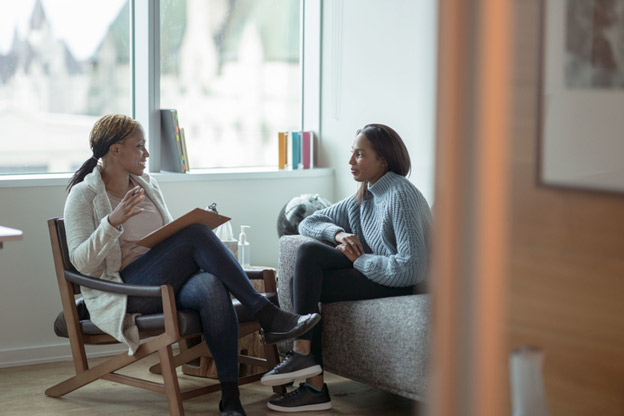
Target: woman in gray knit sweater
column 381, row 236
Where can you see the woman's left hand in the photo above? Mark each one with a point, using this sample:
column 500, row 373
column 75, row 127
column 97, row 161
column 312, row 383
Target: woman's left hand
column 348, row 251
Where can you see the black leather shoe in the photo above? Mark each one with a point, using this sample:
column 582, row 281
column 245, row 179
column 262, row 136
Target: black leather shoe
column 303, row 325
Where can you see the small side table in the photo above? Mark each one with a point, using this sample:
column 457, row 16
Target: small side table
column 9, row 234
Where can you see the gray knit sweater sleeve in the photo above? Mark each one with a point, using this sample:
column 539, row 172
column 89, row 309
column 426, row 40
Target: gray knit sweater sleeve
column 325, row 224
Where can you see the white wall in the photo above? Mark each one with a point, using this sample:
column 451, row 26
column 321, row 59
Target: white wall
column 379, row 65
column 29, row 296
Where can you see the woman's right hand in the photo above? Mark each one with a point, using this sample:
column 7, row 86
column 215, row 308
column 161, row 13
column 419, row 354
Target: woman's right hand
column 351, row 241
column 127, row 208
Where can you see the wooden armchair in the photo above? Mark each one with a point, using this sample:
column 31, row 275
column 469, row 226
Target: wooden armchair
column 164, row 330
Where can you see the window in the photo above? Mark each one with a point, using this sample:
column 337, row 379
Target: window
column 232, row 70
column 59, row 72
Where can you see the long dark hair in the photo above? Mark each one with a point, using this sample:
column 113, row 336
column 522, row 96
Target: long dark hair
column 108, row 130
column 388, row 145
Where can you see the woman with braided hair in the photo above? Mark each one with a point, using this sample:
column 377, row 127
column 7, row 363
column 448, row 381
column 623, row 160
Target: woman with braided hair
column 113, row 204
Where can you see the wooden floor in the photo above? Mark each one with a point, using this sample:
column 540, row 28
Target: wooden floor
column 22, row 394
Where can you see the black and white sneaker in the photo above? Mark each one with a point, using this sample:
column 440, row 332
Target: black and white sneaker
column 305, row 398
column 294, row 367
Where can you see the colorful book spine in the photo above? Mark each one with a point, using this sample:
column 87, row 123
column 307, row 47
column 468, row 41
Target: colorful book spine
column 295, row 149
column 184, row 151
column 282, row 149
column 307, row 149
column 178, row 139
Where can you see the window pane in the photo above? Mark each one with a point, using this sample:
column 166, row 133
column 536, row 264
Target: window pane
column 63, row 64
column 231, row 69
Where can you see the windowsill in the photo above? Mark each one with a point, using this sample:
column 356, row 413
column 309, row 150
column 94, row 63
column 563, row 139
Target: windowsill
column 217, row 174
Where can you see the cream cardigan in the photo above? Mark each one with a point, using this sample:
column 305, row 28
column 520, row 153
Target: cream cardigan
column 94, row 250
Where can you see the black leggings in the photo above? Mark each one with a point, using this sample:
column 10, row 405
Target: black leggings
column 324, row 274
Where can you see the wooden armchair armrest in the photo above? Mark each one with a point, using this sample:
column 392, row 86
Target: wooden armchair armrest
column 113, row 287
column 254, row 274
column 165, row 292
column 268, row 275
column 155, row 291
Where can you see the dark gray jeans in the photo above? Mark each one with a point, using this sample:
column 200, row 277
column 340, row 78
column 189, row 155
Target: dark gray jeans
column 203, row 273
column 324, row 274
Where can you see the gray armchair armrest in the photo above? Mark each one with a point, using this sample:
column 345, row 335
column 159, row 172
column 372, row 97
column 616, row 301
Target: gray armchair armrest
column 288, row 246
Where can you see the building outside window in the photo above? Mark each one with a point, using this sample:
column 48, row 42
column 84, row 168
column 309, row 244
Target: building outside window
column 232, row 70
column 59, row 72
column 230, row 67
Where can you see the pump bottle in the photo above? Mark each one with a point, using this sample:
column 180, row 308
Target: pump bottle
column 244, row 249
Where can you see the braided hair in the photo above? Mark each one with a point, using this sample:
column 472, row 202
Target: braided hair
column 108, row 130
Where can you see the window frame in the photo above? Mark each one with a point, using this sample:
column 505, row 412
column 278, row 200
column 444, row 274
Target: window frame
column 145, row 60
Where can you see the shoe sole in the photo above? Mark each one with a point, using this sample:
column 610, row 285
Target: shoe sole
column 285, row 378
column 306, row 408
column 274, row 337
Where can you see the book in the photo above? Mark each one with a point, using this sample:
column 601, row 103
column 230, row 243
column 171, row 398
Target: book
column 178, row 138
column 295, row 149
column 172, row 157
column 195, row 216
column 307, row 149
column 282, row 143
column 184, row 151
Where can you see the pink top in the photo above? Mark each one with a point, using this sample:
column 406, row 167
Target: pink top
column 136, row 228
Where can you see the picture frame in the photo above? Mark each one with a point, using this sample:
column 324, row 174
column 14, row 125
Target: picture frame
column 581, row 95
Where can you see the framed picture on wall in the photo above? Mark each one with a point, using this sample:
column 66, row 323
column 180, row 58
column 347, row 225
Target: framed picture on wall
column 581, row 111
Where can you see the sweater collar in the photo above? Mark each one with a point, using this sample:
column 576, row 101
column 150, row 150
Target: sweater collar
column 384, row 183
column 94, row 180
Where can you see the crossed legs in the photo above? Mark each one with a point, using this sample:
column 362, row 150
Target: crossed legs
column 203, row 273
column 198, row 268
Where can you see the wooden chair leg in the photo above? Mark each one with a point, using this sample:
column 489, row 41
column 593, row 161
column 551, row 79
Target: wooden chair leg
column 172, row 387
column 101, row 370
column 184, row 357
column 188, row 343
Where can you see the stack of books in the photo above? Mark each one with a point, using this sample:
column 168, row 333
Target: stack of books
column 297, row 149
column 174, row 157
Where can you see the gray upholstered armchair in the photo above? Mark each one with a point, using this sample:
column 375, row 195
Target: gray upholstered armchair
column 380, row 342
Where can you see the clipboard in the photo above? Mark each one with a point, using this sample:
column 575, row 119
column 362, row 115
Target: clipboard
column 196, row 216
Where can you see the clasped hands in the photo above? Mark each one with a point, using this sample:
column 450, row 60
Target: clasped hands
column 127, row 208
column 349, row 245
